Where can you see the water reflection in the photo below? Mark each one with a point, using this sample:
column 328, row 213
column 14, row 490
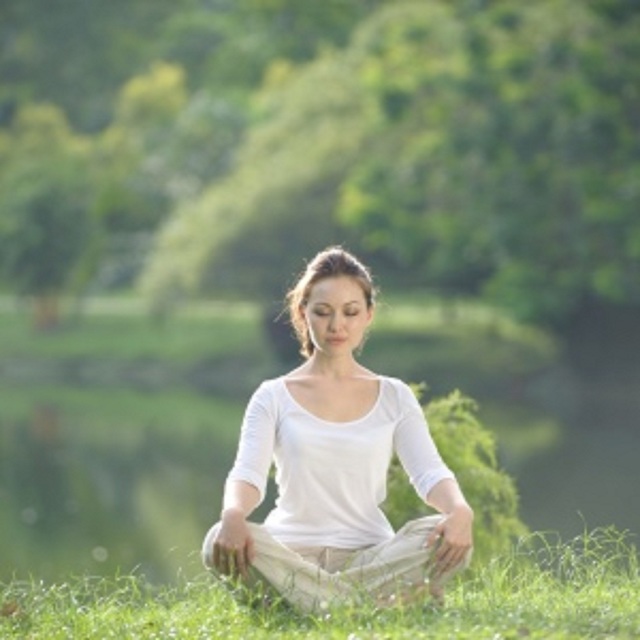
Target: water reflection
column 112, row 481
column 590, row 478
column 81, row 497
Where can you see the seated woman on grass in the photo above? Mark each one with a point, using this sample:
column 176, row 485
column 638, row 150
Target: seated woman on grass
column 331, row 427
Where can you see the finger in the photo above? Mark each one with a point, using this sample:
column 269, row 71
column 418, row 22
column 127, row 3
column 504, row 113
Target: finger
column 232, row 562
column 241, row 562
column 250, row 550
column 220, row 560
column 443, row 550
column 452, row 555
column 435, row 535
column 223, row 564
column 443, row 557
column 234, row 558
column 449, row 562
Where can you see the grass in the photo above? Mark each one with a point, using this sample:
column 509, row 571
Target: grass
column 117, row 329
column 544, row 588
column 448, row 344
column 122, row 327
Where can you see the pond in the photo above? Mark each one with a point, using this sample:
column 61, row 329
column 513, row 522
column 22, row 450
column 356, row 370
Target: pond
column 104, row 481
column 113, row 480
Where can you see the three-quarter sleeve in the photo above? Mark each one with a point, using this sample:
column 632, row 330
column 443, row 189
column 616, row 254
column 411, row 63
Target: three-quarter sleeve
column 415, row 446
column 257, row 438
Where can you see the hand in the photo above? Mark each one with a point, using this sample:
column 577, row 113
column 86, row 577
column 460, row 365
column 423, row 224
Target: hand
column 451, row 540
column 233, row 546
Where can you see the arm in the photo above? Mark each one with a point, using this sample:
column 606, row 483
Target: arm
column 233, row 545
column 435, row 483
column 454, row 532
column 240, row 497
column 233, row 548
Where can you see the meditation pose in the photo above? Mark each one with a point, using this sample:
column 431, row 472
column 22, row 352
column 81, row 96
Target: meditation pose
column 331, row 428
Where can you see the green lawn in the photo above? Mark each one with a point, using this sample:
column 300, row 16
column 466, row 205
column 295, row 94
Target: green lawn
column 585, row 588
column 116, row 330
column 447, row 344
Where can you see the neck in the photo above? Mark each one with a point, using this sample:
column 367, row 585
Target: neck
column 342, row 367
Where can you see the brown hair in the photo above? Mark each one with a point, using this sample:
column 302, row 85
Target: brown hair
column 330, row 263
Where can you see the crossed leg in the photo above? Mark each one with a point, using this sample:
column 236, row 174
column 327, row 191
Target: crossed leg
column 396, row 570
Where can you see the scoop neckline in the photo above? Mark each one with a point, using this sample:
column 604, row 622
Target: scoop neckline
column 380, row 380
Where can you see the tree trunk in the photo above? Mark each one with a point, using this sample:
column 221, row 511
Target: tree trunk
column 46, row 311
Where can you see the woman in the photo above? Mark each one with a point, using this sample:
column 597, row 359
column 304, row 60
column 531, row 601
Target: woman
column 331, row 426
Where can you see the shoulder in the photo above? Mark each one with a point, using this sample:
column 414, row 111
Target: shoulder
column 398, row 391
column 268, row 394
column 270, row 388
column 397, row 386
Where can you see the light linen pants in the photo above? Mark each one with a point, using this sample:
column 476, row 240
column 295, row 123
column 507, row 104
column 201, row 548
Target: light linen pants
column 314, row 578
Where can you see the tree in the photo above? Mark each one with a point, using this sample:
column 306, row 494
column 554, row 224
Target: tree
column 163, row 146
column 249, row 231
column 514, row 155
column 134, row 190
column 299, row 159
column 79, row 57
column 46, row 223
column 76, row 57
column 487, row 149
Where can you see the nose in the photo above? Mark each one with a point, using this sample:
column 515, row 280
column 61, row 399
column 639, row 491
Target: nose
column 334, row 322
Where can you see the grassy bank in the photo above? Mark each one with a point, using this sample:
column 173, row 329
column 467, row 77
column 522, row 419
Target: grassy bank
column 586, row 588
column 115, row 328
column 448, row 344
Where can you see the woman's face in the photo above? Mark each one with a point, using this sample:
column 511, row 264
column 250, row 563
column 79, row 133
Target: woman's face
column 337, row 315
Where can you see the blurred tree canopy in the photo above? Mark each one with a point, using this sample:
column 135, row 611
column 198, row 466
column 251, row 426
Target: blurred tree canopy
column 164, row 88
column 480, row 146
column 78, row 53
column 515, row 154
column 483, row 147
column 46, row 222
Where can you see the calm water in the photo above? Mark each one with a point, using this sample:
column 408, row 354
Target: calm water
column 100, row 481
column 103, row 481
column 591, row 477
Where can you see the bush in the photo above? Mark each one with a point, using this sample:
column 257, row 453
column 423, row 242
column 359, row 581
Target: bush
column 470, row 451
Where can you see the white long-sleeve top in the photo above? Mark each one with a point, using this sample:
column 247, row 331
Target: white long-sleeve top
column 332, row 476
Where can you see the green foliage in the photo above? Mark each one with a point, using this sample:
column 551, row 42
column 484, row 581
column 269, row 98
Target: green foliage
column 44, row 228
column 135, row 183
column 163, row 147
column 513, row 153
column 78, row 58
column 493, row 151
column 251, row 230
column 469, row 146
column 46, row 223
column 470, row 451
